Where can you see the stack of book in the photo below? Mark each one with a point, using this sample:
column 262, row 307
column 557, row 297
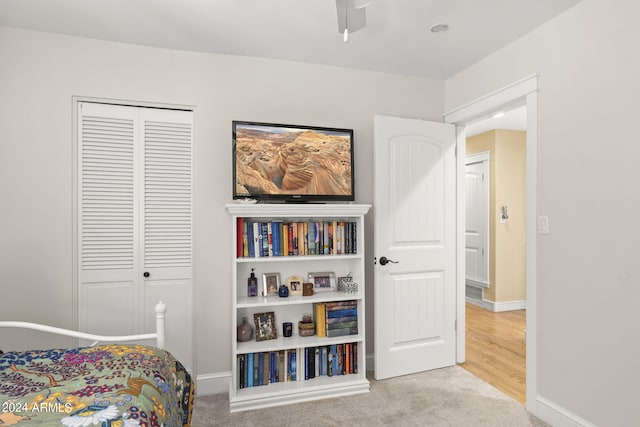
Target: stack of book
column 336, row 319
column 278, row 238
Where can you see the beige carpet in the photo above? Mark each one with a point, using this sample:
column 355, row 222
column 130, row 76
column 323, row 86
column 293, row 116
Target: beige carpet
column 445, row 397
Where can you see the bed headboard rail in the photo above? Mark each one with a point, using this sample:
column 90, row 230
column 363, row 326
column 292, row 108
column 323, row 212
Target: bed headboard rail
column 158, row 335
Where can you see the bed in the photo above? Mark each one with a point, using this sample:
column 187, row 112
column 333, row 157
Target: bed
column 107, row 385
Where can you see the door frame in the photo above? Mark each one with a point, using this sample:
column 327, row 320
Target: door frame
column 522, row 92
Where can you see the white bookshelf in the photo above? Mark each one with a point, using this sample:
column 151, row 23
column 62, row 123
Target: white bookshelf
column 290, row 309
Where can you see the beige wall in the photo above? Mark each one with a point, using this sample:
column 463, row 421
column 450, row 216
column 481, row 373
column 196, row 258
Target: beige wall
column 588, row 284
column 39, row 75
column 507, row 186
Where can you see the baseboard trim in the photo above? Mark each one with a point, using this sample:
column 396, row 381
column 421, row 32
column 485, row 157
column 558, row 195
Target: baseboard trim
column 207, row 384
column 477, row 302
column 498, row 307
column 557, row 416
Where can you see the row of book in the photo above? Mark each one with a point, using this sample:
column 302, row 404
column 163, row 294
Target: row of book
column 269, row 367
column 336, row 318
column 278, row 238
column 331, row 360
column 256, row 369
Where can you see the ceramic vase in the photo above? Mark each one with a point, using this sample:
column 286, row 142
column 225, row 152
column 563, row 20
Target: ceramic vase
column 245, row 331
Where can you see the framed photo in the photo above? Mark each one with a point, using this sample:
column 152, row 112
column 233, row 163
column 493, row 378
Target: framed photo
column 323, row 282
column 265, row 326
column 270, row 284
column 294, row 283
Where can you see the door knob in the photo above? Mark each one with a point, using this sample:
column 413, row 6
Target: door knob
column 384, row 261
column 146, row 274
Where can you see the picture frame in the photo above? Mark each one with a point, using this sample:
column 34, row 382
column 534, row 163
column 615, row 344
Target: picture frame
column 270, row 284
column 323, row 281
column 265, row 324
column 294, row 283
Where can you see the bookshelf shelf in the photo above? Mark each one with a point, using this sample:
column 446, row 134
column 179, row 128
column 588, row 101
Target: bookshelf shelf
column 295, row 341
column 297, row 258
column 261, row 301
column 282, row 391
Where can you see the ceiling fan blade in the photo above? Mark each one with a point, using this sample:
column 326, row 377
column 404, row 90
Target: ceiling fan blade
column 347, row 13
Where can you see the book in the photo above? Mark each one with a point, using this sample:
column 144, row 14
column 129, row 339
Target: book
column 281, row 366
column 333, row 360
column 354, row 359
column 294, row 237
column 250, row 369
column 347, row 358
column 305, row 241
column 260, row 379
column 345, row 312
column 339, row 305
column 241, row 371
column 311, row 238
column 306, row 363
column 245, row 239
column 320, row 319
column 257, row 240
column 239, row 237
column 285, row 240
column 325, row 237
column 342, row 332
column 312, row 362
column 250, row 240
column 265, row 238
column 341, row 325
column 332, row 320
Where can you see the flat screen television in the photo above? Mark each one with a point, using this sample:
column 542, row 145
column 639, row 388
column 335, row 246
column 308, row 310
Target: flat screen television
column 291, row 163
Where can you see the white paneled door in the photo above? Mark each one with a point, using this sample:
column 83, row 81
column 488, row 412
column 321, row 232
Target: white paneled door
column 477, row 220
column 415, row 245
column 135, row 221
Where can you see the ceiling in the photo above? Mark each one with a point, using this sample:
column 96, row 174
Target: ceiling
column 396, row 38
column 515, row 119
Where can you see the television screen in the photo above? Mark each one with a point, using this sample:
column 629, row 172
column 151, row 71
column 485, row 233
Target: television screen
column 292, row 163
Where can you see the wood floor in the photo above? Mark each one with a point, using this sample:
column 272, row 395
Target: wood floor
column 496, row 349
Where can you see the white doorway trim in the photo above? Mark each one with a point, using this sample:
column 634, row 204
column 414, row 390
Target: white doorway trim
column 522, row 92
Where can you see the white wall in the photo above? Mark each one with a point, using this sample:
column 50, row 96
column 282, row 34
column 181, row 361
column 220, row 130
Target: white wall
column 588, row 283
column 39, row 74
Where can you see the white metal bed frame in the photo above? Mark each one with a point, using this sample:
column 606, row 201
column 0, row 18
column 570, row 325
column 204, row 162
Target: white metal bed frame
column 158, row 335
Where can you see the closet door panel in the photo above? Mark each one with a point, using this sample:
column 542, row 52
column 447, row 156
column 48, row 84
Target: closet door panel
column 166, row 237
column 107, row 219
column 109, row 309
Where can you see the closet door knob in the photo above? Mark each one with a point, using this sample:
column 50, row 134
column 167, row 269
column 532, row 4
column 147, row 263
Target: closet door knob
column 146, row 274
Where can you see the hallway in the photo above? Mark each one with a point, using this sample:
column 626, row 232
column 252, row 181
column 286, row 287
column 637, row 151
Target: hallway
column 496, row 350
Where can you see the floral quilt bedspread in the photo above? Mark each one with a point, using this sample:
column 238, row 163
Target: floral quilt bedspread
column 107, row 386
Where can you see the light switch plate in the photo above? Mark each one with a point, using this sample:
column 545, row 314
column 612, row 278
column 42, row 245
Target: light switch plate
column 543, row 224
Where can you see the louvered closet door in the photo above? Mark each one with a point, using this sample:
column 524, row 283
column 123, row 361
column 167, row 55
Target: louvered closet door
column 135, row 226
column 107, row 220
column 166, row 230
